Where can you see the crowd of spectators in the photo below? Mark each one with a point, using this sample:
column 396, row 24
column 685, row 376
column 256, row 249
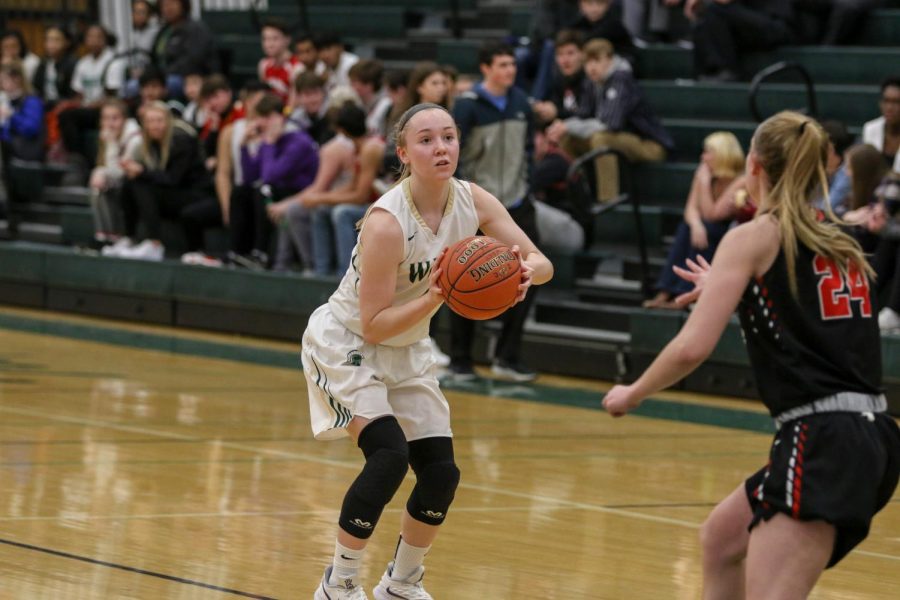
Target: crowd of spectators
column 287, row 164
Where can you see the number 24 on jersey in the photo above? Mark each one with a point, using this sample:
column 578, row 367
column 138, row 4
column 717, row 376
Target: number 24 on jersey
column 838, row 292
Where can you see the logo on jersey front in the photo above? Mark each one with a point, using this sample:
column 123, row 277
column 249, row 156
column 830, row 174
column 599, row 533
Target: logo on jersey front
column 419, row 270
column 354, row 359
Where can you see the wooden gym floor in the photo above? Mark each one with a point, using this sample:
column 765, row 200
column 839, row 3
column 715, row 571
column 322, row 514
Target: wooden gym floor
column 140, row 473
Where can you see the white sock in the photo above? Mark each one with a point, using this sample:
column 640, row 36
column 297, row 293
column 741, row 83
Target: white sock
column 407, row 559
column 346, row 563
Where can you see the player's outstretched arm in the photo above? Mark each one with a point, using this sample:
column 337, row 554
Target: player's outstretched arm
column 381, row 250
column 494, row 220
column 743, row 252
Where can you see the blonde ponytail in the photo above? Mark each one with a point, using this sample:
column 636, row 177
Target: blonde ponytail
column 792, row 148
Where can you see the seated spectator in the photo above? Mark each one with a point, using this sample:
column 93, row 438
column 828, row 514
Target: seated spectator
column 886, row 260
column 337, row 160
column 279, row 67
column 839, row 140
column 118, row 139
column 612, row 113
column 91, row 85
column 306, row 52
column 602, row 19
column 53, row 77
column 139, row 44
column 565, row 88
column 229, row 174
column 21, row 123
column 866, row 169
column 562, row 223
column 152, row 85
column 193, row 114
column 220, row 109
column 311, row 107
column 285, row 163
column 365, row 79
column 714, row 200
column 427, row 82
column 183, row 45
column 165, row 179
column 832, row 22
column 337, row 210
column 13, row 48
column 336, row 59
column 395, row 83
column 884, row 132
column 724, row 28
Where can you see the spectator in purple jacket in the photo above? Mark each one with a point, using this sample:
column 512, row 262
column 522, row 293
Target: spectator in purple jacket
column 277, row 160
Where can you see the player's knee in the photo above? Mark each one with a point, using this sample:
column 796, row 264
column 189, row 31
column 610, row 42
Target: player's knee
column 435, row 489
column 718, row 541
column 387, row 461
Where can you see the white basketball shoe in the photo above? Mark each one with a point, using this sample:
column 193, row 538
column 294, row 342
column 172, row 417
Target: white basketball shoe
column 410, row 588
column 345, row 590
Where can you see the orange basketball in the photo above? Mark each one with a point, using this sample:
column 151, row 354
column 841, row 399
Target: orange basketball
column 480, row 277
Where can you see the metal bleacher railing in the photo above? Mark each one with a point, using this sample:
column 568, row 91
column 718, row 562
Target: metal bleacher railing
column 776, row 70
column 579, row 177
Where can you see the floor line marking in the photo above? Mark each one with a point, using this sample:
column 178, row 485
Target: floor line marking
column 112, row 565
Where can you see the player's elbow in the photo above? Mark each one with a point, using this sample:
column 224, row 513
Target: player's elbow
column 370, row 335
column 690, row 354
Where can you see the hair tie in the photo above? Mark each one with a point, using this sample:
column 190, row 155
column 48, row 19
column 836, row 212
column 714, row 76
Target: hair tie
column 409, row 114
column 803, row 126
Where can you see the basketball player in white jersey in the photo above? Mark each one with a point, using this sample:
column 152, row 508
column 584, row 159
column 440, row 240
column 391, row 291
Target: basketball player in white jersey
column 367, row 359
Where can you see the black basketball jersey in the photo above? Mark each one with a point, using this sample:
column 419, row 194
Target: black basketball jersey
column 821, row 342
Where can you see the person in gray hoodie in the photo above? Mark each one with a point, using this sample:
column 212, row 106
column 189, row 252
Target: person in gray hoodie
column 497, row 139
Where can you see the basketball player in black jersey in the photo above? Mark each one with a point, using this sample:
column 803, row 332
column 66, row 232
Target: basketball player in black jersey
column 801, row 288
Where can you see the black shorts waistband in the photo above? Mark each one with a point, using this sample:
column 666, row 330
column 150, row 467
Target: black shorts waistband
column 840, row 402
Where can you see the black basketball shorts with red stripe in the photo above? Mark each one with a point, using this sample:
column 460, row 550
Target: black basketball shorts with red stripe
column 838, row 467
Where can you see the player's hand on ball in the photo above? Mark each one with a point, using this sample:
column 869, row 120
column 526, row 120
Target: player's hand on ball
column 619, row 401
column 434, row 285
column 527, row 272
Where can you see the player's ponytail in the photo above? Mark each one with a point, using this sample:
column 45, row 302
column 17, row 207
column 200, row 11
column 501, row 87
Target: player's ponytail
column 792, row 149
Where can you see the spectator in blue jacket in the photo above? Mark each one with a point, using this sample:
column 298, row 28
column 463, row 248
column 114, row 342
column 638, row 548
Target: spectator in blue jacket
column 613, row 112
column 21, row 121
column 283, row 163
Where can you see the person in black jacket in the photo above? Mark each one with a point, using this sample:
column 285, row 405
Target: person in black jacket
column 53, row 77
column 183, row 46
column 602, row 19
column 165, row 180
column 563, row 96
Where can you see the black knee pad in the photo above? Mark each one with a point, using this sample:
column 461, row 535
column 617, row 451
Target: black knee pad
column 387, row 460
column 437, row 477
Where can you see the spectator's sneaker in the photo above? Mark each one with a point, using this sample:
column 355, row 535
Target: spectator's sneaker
column 461, row 372
column 146, row 250
column 512, row 371
column 117, row 247
column 200, row 259
column 888, row 320
column 401, row 589
column 346, row 590
column 441, row 359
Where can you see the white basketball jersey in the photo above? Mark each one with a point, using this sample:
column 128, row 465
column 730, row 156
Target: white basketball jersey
column 421, row 248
